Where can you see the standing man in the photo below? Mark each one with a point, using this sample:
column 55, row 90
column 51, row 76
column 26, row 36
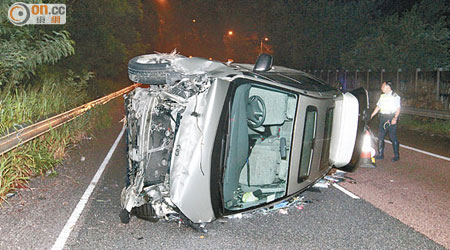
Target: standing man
column 389, row 107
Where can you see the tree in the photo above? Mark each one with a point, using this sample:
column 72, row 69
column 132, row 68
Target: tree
column 314, row 34
column 106, row 34
column 24, row 49
column 418, row 38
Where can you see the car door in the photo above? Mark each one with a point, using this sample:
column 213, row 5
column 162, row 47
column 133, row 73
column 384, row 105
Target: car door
column 310, row 159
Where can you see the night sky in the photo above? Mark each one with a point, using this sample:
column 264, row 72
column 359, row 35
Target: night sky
column 316, row 34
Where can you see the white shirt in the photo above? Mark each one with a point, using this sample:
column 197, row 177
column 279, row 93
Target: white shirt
column 389, row 103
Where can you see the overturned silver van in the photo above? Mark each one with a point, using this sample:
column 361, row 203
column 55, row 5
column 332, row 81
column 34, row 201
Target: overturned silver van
column 207, row 139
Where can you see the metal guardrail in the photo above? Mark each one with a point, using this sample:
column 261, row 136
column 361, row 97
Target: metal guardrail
column 17, row 138
column 426, row 113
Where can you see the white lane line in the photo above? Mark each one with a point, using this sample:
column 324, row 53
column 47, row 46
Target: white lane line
column 421, row 151
column 64, row 235
column 345, row 191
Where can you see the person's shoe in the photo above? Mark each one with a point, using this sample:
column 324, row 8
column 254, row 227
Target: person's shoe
column 395, row 146
column 379, row 157
column 380, row 154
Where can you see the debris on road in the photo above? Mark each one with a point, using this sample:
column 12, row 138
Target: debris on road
column 280, row 205
column 281, row 208
column 322, row 184
column 300, row 207
column 332, row 178
column 235, row 216
column 283, row 211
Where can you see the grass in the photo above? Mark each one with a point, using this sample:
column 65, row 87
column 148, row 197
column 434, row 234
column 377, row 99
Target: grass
column 26, row 105
column 428, row 125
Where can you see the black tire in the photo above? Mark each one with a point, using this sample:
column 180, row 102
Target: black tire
column 148, row 73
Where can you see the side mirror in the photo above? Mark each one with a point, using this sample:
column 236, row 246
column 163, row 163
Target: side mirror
column 263, row 63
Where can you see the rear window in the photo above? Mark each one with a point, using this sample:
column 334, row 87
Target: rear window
column 309, row 136
column 324, row 161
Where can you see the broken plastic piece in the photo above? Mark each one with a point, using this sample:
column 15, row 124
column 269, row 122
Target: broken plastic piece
column 235, row 216
column 281, row 205
column 283, row 211
column 322, row 184
column 332, row 179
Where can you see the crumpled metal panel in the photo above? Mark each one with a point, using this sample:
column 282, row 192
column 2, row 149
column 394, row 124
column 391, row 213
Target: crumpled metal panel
column 187, row 165
column 186, row 93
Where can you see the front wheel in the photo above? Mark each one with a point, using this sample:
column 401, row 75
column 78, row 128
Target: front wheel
column 148, row 69
column 145, row 212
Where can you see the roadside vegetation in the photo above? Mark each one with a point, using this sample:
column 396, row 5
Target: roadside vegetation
column 25, row 105
column 44, row 70
column 427, row 125
column 43, row 154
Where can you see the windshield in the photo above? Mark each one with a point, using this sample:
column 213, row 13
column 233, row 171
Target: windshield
column 260, row 135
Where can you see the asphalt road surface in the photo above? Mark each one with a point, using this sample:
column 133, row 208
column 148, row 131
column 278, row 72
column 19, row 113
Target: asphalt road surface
column 34, row 217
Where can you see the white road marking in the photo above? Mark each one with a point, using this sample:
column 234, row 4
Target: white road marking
column 345, row 191
column 70, row 224
column 421, row 151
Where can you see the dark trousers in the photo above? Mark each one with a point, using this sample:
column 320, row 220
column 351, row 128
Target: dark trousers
column 385, row 126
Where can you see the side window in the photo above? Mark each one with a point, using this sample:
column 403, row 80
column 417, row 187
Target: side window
column 325, row 158
column 309, row 137
column 259, row 143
